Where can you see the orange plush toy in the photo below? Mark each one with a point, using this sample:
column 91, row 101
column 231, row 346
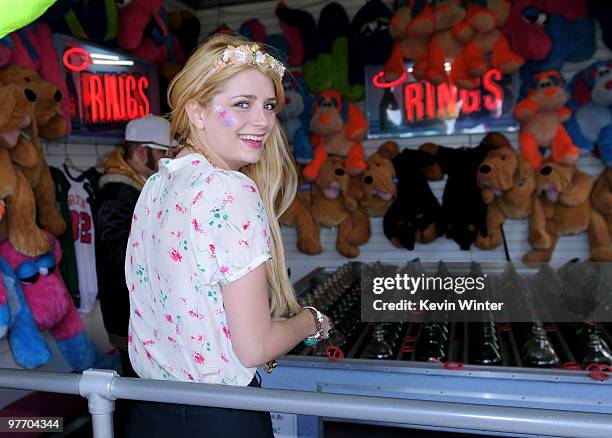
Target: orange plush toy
column 542, row 114
column 338, row 128
column 411, row 27
column 486, row 22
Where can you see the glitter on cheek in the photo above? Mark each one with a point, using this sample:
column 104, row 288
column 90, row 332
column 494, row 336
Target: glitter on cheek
column 224, row 115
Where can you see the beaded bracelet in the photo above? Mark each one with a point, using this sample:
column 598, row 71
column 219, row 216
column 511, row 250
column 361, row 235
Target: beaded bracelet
column 318, row 318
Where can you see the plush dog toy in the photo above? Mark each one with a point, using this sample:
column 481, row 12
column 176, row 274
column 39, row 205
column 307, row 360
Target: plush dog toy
column 295, row 118
column 591, row 100
column 415, row 215
column 542, row 114
column 52, row 307
column 508, row 188
column 338, row 127
column 564, row 192
column 38, row 175
column 17, row 201
column 28, row 347
column 463, row 209
column 334, row 206
column 299, row 215
column 601, row 197
column 378, row 184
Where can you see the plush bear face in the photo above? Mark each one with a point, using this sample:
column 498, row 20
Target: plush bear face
column 333, row 179
column 602, row 84
column 294, row 99
column 17, row 103
column 448, row 13
column 553, row 179
column 498, row 170
column 49, row 114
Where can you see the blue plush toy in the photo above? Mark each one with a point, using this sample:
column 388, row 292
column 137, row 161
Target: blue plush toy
column 296, row 118
column 29, row 348
column 591, row 101
column 572, row 41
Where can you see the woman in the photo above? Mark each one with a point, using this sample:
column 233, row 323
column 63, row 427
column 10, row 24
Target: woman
column 205, row 244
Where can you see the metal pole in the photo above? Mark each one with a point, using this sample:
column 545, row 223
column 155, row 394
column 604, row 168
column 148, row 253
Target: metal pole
column 95, row 385
column 63, row 383
column 545, row 422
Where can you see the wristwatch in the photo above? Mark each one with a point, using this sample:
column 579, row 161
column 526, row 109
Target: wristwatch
column 318, row 318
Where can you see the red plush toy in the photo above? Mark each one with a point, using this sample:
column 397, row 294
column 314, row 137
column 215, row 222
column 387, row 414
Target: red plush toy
column 338, row 127
column 542, row 114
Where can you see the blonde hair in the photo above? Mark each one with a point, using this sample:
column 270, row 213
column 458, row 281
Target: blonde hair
column 274, row 174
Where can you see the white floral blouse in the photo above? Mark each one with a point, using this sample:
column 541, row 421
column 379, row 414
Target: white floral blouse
column 195, row 228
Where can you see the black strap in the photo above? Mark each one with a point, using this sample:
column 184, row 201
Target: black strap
column 501, row 228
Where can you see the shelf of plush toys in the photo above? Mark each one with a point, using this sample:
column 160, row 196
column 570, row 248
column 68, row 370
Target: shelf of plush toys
column 439, row 340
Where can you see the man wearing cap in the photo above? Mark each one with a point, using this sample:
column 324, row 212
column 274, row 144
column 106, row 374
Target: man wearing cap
column 127, row 168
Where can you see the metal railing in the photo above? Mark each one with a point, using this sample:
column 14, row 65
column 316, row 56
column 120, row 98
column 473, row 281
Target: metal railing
column 103, row 387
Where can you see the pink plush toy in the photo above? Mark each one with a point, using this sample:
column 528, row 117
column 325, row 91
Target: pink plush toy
column 33, row 48
column 160, row 45
column 52, row 307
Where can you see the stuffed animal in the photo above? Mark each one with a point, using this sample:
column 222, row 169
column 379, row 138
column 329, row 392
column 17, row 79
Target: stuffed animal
column 38, row 175
column 508, row 188
column 411, row 26
column 591, row 100
column 94, row 21
column 295, row 118
column 601, row 197
column 541, row 115
column 28, row 347
column 334, row 206
column 143, row 31
column 50, row 118
column 445, row 45
column 564, row 192
column 299, row 215
column 338, row 127
column 415, row 215
column 330, row 68
column 549, row 33
column 486, row 21
column 17, row 201
column 463, row 209
column 52, row 307
column 370, row 42
column 33, row 48
column 378, row 184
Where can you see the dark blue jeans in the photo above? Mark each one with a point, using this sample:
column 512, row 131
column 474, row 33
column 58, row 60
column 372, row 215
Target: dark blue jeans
column 163, row 420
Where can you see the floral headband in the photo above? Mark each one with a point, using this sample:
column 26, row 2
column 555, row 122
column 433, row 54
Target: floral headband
column 249, row 54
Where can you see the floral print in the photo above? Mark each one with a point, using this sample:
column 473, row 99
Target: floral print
column 195, row 228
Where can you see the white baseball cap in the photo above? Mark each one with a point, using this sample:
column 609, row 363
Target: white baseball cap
column 151, row 131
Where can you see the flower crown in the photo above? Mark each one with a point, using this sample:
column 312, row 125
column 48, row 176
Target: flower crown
column 249, row 54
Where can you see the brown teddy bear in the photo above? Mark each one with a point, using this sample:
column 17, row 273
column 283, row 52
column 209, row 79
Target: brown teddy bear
column 377, row 187
column 338, row 127
column 333, row 205
column 564, row 192
column 508, row 188
column 18, row 221
column 601, row 197
column 541, row 115
column 38, row 175
column 299, row 215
